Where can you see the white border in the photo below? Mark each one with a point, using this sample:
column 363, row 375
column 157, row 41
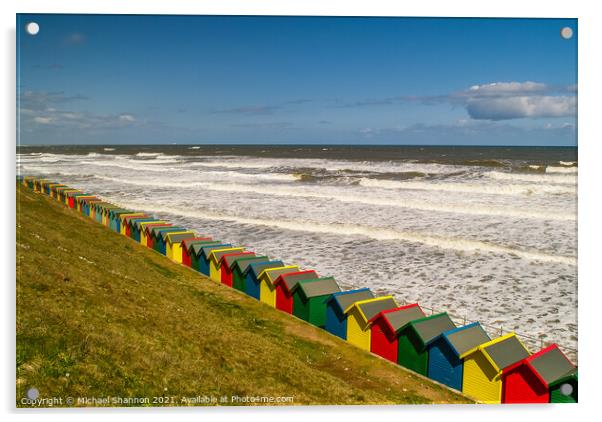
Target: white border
column 589, row 192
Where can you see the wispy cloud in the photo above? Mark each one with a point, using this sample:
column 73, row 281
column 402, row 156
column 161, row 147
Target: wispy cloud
column 39, row 110
column 261, row 108
column 496, row 101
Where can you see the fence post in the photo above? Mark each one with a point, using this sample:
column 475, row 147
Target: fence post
column 501, row 331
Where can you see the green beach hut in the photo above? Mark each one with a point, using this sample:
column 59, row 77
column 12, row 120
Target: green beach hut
column 310, row 298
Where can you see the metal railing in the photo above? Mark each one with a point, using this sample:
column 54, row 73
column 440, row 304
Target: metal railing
column 495, row 331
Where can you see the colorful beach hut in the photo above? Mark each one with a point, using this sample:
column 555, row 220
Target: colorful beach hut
column 173, row 243
column 336, row 318
column 310, row 298
column 159, row 235
column 190, row 247
column 203, row 256
column 251, row 275
column 240, row 267
column 123, row 219
column 267, row 289
column 113, row 218
column 358, row 316
column 135, row 228
column 80, row 203
column 564, row 390
column 215, row 256
column 483, row 366
column 284, row 286
column 528, row 380
column 384, row 326
column 186, row 246
column 129, row 224
column 413, row 337
column 145, row 227
column 227, row 262
column 444, row 363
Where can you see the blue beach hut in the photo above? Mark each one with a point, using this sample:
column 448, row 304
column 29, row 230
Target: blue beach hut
column 203, row 256
column 159, row 240
column 444, row 363
column 251, row 275
column 336, row 319
column 135, row 228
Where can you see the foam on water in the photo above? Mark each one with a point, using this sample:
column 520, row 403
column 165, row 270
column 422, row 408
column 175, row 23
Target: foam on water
column 552, row 169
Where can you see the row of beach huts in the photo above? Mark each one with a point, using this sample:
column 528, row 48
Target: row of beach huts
column 465, row 358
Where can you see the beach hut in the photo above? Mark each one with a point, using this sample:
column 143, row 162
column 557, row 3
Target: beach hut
column 113, row 218
column 252, row 275
column 310, row 298
column 129, row 223
column 37, row 184
column 267, row 289
column 413, row 337
column 144, row 227
column 358, row 315
column 80, row 202
column 564, row 390
column 444, row 363
column 28, row 181
column 173, row 243
column 215, row 258
column 483, row 366
column 58, row 192
column 336, row 318
column 227, row 262
column 202, row 257
column 284, row 285
column 159, row 235
column 384, row 326
column 106, row 219
column 187, row 248
column 71, row 195
column 528, row 380
column 240, row 266
column 49, row 188
column 134, row 228
column 123, row 219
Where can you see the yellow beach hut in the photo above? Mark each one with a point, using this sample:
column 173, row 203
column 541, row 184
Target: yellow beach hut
column 123, row 221
column 267, row 289
column 483, row 366
column 215, row 269
column 173, row 244
column 144, row 233
column 358, row 316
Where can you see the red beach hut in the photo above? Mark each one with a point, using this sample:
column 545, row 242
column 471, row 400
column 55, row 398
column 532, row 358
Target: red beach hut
column 227, row 262
column 384, row 327
column 284, row 286
column 187, row 244
column 528, row 380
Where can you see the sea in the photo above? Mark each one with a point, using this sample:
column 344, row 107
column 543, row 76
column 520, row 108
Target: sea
column 486, row 234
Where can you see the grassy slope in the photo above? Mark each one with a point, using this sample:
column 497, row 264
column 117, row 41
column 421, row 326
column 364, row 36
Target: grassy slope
column 99, row 315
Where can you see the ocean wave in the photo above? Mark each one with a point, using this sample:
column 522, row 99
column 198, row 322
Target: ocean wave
column 355, row 198
column 149, row 154
column 108, row 149
column 567, row 163
column 542, row 178
column 194, row 148
column 552, row 169
column 376, row 233
column 510, row 189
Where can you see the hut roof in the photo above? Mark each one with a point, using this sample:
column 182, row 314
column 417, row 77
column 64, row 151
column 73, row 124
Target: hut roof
column 572, row 375
column 463, row 339
column 370, row 307
column 141, row 224
column 344, row 300
column 216, row 254
column 179, row 237
column 257, row 267
column 162, row 232
column 318, row 287
column 132, row 221
column 550, row 364
column 189, row 244
column 243, row 263
column 271, row 274
column 230, row 259
column 290, row 280
column 428, row 328
column 157, row 231
column 398, row 317
column 501, row 352
column 205, row 250
column 197, row 247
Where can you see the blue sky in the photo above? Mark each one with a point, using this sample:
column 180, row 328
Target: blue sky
column 94, row 79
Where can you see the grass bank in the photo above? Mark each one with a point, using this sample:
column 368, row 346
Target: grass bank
column 100, row 316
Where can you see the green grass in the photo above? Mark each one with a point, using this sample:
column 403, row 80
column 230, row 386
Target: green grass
column 99, row 315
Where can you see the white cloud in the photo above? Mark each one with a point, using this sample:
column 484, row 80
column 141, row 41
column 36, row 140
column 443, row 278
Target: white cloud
column 127, row 118
column 507, row 88
column 523, row 106
column 42, row 120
